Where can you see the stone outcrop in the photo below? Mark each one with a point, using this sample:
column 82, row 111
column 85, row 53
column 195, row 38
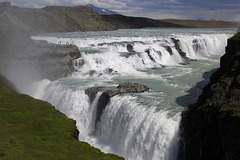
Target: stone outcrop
column 53, row 61
column 178, row 48
column 107, row 94
column 92, row 92
column 130, row 48
column 40, row 60
column 210, row 128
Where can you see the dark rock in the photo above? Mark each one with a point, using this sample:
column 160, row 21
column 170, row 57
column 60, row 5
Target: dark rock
column 238, row 29
column 52, row 61
column 132, row 87
column 169, row 49
column 178, row 48
column 92, row 92
column 210, row 128
column 149, row 55
column 107, row 94
column 101, row 105
column 92, row 72
column 109, row 70
column 130, row 48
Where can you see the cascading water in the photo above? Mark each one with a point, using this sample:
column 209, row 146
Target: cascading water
column 137, row 126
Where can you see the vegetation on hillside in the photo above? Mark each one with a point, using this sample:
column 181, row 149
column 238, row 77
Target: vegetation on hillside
column 33, row 129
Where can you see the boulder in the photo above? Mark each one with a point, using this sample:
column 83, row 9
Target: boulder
column 130, row 48
column 107, row 94
column 132, row 87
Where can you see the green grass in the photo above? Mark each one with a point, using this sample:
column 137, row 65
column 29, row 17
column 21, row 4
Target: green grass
column 33, row 129
column 236, row 37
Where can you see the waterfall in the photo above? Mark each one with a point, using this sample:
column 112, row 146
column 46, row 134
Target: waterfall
column 127, row 128
column 111, row 55
column 137, row 126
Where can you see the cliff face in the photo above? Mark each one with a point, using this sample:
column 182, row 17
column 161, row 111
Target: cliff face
column 210, row 128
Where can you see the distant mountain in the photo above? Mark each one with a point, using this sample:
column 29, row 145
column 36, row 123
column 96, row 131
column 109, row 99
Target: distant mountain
column 102, row 11
column 200, row 19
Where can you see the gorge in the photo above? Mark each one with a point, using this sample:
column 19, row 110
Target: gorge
column 72, row 71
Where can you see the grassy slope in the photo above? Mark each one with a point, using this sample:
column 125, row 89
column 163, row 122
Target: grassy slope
column 33, row 129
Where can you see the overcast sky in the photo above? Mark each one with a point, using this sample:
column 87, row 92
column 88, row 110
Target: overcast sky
column 159, row 9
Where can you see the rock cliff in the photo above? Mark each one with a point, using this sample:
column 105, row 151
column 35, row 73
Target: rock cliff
column 210, row 128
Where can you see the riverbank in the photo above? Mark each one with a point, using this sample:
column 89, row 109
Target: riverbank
column 210, row 128
column 33, row 129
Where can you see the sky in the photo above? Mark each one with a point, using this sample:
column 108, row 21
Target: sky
column 228, row 10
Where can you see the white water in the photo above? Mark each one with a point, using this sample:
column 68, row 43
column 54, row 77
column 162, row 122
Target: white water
column 141, row 126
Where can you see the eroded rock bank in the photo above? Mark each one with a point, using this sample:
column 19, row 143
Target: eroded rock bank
column 52, row 61
column 210, row 128
column 39, row 60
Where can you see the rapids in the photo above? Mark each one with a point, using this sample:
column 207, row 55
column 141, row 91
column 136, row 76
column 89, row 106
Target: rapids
column 137, row 126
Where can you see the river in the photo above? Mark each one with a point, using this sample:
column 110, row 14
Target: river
column 137, row 126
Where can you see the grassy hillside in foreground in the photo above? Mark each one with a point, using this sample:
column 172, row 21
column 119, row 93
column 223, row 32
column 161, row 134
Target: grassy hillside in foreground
column 33, row 129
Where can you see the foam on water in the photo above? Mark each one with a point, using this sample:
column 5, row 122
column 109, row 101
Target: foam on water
column 103, row 54
column 127, row 128
column 136, row 132
column 141, row 126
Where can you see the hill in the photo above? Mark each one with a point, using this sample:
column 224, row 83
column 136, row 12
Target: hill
column 33, row 129
column 202, row 23
column 102, row 11
column 124, row 22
